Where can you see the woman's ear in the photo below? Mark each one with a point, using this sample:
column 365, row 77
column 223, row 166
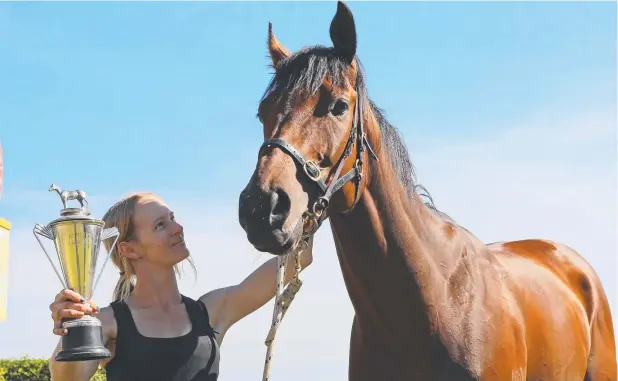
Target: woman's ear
column 128, row 250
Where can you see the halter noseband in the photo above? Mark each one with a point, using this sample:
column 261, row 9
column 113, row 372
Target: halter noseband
column 313, row 218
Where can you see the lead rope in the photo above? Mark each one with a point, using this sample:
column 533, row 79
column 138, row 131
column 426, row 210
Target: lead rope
column 283, row 299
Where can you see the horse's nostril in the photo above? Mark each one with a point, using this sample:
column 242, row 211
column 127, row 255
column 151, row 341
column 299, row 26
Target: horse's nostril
column 263, row 210
column 279, row 205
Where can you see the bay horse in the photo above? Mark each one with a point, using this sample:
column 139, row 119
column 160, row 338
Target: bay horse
column 431, row 301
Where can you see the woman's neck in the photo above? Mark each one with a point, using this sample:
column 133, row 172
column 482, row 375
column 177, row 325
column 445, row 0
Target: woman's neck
column 155, row 288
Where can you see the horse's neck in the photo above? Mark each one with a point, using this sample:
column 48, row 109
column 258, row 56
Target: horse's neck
column 397, row 255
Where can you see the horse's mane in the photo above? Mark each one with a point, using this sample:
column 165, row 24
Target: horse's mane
column 304, row 71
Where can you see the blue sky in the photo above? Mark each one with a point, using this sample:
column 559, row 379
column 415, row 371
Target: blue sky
column 113, row 97
column 169, row 86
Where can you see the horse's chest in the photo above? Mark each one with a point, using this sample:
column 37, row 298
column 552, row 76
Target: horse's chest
column 403, row 358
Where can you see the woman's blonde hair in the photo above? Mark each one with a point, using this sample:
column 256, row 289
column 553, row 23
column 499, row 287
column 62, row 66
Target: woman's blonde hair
column 120, row 216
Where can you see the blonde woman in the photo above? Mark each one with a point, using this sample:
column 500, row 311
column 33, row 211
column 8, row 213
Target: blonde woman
column 153, row 331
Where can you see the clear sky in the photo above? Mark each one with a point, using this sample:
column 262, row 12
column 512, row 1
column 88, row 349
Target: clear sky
column 509, row 111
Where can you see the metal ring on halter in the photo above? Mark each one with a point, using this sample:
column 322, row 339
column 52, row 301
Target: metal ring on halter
column 312, row 170
column 322, row 202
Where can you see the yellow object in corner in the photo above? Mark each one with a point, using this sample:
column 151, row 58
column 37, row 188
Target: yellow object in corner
column 5, row 228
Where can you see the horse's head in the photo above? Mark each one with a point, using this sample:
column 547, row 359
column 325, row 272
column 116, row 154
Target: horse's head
column 313, row 132
column 52, row 187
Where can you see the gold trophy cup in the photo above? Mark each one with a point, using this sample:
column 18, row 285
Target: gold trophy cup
column 77, row 238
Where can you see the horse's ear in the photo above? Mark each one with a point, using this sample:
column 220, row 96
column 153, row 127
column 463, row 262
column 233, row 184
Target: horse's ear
column 343, row 33
column 276, row 50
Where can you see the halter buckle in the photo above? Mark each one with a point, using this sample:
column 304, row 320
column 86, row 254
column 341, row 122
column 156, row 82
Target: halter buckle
column 312, row 170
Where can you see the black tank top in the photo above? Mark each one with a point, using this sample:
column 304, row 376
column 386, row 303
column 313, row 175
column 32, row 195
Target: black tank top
column 192, row 357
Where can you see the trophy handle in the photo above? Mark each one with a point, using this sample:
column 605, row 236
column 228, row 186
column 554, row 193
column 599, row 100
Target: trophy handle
column 44, row 231
column 106, row 234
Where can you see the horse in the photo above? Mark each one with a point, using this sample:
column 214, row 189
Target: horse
column 66, row 195
column 431, row 301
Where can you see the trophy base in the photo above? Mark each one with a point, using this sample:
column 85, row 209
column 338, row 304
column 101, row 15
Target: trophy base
column 83, row 354
column 83, row 341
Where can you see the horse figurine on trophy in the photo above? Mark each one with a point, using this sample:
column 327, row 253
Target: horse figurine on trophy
column 66, row 195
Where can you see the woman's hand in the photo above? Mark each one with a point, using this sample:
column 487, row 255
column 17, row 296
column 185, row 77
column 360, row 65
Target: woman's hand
column 69, row 304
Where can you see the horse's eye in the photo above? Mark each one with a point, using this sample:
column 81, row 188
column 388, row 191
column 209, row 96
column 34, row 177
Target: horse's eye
column 339, row 108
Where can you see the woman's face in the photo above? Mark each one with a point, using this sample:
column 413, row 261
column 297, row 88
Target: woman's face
column 159, row 238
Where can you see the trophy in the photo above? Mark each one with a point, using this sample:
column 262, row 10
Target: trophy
column 77, row 238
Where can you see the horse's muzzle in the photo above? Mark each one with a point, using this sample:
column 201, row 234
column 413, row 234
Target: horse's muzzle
column 262, row 215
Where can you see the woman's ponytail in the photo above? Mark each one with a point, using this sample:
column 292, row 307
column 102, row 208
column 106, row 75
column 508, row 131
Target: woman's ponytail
column 124, row 287
column 120, row 216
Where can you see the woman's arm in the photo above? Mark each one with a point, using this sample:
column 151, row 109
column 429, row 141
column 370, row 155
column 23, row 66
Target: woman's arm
column 71, row 370
column 228, row 305
column 84, row 370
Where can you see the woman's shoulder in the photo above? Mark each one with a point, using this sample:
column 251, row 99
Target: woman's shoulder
column 108, row 322
column 109, row 327
column 106, row 313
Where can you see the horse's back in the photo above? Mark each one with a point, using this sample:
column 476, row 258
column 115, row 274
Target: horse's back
column 563, row 309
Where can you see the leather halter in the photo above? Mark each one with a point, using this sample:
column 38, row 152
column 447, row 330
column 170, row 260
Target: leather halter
column 313, row 218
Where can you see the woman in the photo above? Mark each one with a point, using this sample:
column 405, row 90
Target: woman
column 153, row 331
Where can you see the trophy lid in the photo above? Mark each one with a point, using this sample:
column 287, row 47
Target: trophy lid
column 75, row 214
